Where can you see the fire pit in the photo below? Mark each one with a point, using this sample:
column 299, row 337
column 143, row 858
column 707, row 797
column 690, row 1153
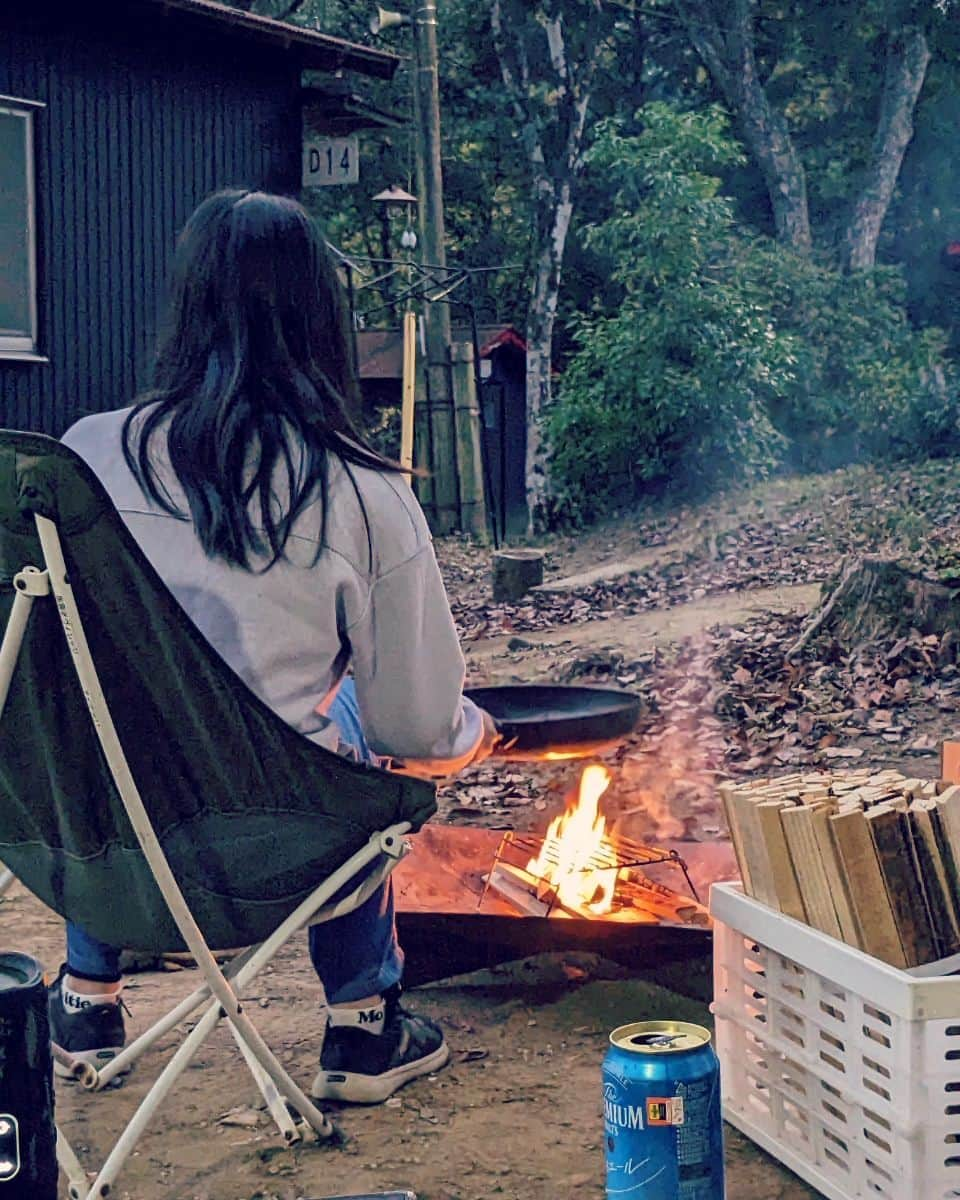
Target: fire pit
column 471, row 897
column 578, row 869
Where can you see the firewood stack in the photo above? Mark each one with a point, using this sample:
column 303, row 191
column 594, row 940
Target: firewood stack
column 870, row 858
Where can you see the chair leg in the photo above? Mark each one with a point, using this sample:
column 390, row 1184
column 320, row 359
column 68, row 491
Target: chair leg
column 83, row 1072
column 7, row 879
column 290, row 1131
column 128, row 1056
column 239, row 974
column 70, row 1166
column 169, row 1076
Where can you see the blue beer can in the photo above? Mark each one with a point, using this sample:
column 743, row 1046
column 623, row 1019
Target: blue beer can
column 663, row 1131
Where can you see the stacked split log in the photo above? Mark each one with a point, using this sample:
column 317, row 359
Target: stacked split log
column 870, row 858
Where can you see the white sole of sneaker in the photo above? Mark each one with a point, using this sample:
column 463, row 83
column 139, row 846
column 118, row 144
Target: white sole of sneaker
column 351, row 1088
column 96, row 1059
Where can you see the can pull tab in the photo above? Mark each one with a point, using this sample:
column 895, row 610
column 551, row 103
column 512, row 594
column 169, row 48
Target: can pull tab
column 9, row 1147
column 658, row 1040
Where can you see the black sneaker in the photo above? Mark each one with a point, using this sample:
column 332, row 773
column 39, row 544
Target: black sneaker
column 365, row 1068
column 94, row 1034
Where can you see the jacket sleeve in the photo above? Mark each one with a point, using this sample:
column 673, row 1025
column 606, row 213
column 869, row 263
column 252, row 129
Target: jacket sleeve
column 409, row 670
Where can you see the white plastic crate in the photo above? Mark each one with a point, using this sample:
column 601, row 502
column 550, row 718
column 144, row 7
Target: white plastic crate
column 845, row 1069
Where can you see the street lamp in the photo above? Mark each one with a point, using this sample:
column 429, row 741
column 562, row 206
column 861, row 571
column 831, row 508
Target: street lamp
column 396, row 199
column 399, row 203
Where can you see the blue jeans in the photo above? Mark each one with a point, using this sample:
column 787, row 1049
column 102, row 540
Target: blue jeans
column 355, row 956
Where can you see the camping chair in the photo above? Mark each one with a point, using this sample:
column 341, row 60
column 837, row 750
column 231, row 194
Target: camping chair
column 147, row 795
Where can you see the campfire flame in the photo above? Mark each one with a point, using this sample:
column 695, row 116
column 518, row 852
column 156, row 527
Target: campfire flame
column 570, row 846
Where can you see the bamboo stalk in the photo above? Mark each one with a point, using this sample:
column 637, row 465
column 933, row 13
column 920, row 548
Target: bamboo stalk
column 409, row 390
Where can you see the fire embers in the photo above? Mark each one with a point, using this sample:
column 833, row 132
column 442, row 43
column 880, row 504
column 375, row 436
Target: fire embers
column 579, row 869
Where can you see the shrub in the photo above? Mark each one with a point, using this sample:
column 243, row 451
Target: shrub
column 867, row 383
column 679, row 381
column 727, row 352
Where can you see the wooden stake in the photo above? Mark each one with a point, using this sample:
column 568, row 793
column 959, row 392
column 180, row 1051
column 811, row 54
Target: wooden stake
column 836, row 878
column 933, row 875
column 950, row 762
column 894, row 854
column 784, row 877
column 814, row 885
column 409, row 390
column 466, row 403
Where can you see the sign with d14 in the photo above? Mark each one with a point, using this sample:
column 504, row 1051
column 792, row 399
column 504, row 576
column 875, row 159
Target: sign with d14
column 329, row 161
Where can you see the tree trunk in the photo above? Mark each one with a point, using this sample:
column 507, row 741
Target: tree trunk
column 540, row 322
column 907, row 59
column 877, row 598
column 768, row 138
column 729, row 55
column 515, row 572
column 553, row 140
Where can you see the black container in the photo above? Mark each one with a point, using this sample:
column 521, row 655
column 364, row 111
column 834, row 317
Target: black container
column 28, row 1136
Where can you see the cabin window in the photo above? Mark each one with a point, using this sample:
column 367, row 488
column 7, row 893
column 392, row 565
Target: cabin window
column 18, row 256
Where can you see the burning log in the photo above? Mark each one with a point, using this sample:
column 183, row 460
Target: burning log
column 466, row 899
column 579, row 869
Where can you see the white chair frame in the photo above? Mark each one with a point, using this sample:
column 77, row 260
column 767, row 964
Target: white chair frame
column 221, row 988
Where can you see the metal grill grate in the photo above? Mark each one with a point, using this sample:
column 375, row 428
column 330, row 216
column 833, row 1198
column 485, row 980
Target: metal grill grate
column 616, row 854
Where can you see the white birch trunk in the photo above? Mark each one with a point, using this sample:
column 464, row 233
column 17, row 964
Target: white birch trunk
column 552, row 190
column 539, row 332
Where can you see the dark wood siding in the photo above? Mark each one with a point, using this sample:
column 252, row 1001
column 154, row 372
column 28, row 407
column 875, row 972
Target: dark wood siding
column 144, row 118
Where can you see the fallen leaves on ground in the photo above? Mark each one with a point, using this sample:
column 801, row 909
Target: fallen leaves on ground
column 726, row 704
column 729, row 703
column 907, row 512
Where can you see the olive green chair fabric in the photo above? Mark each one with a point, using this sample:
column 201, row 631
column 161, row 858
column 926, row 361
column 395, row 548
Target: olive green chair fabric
column 251, row 815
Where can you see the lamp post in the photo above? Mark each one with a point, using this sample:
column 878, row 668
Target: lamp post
column 443, row 506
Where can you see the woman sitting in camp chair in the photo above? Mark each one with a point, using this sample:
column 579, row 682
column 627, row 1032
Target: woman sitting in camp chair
column 298, row 552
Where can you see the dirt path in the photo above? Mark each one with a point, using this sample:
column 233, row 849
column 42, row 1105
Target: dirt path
column 532, row 656
column 516, row 1116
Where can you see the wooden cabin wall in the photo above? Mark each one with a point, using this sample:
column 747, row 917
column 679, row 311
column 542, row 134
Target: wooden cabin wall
column 146, row 113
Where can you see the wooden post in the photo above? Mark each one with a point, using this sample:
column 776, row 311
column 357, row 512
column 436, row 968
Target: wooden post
column 473, row 507
column 409, row 389
column 423, row 441
column 950, row 762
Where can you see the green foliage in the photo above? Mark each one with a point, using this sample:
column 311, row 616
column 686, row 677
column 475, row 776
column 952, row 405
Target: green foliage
column 690, row 345
column 726, row 352
column 867, row 383
column 679, row 380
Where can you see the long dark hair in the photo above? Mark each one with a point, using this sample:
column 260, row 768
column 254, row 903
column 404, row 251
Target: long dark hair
column 254, row 374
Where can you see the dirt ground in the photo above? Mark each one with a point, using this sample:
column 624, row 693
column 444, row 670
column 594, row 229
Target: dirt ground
column 517, row 1113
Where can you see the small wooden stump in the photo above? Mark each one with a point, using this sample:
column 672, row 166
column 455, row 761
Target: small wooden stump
column 515, row 572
